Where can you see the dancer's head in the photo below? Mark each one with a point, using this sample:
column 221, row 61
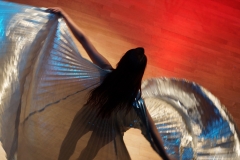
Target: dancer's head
column 133, row 63
column 120, row 87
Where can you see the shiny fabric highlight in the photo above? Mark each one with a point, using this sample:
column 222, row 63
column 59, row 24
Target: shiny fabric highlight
column 192, row 122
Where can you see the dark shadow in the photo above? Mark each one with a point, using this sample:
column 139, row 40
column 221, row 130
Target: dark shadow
column 85, row 121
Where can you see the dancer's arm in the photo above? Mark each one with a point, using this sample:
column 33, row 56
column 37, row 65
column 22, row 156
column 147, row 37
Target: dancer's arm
column 95, row 56
column 156, row 137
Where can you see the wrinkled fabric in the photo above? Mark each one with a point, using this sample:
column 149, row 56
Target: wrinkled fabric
column 44, row 85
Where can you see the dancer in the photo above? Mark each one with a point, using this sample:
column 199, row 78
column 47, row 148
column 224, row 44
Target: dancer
column 112, row 100
column 51, row 107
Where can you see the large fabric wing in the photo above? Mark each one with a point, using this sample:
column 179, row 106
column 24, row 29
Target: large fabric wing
column 192, row 122
column 40, row 66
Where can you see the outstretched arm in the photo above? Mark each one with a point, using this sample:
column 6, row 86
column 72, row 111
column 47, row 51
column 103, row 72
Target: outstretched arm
column 95, row 56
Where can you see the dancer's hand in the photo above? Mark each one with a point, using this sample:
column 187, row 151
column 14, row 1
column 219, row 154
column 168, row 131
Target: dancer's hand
column 56, row 10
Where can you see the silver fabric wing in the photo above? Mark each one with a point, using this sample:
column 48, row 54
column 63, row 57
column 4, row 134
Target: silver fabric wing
column 40, row 66
column 191, row 121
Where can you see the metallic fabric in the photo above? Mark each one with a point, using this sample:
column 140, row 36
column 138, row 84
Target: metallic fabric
column 19, row 27
column 44, row 84
column 191, row 121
